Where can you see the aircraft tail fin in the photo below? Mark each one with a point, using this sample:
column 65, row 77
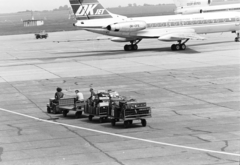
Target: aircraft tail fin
column 192, row 3
column 89, row 9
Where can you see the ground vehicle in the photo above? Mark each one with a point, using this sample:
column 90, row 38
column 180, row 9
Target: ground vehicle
column 41, row 35
column 129, row 110
column 65, row 105
column 99, row 106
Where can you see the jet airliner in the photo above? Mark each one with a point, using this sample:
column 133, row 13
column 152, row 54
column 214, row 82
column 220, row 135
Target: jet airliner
column 93, row 17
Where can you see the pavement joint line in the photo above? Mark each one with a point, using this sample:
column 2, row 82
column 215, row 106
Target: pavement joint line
column 123, row 136
column 148, row 83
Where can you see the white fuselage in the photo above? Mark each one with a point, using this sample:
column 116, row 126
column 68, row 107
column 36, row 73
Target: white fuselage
column 162, row 25
column 207, row 9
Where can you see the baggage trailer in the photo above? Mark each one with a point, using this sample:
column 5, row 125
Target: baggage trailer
column 98, row 107
column 66, row 105
column 128, row 111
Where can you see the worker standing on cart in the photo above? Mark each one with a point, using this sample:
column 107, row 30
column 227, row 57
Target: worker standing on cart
column 92, row 97
column 79, row 96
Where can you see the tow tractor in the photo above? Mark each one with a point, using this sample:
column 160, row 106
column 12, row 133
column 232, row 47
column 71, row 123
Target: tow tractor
column 66, row 105
column 128, row 110
column 41, row 35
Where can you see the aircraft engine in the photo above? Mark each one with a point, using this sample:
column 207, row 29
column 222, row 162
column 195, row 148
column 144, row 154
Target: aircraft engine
column 120, row 39
column 129, row 26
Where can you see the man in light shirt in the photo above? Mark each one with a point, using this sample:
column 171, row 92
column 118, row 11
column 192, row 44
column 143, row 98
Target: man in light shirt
column 79, row 96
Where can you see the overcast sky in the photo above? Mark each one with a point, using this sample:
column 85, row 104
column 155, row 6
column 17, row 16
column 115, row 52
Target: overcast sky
column 9, row 6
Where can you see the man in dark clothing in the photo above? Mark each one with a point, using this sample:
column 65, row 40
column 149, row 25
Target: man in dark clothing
column 58, row 95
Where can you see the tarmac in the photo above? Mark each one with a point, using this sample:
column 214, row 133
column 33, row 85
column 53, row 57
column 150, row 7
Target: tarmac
column 194, row 95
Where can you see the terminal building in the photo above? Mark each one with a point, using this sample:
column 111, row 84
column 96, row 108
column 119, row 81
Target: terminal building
column 30, row 23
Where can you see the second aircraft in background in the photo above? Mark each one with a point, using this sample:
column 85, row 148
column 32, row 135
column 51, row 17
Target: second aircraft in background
column 203, row 6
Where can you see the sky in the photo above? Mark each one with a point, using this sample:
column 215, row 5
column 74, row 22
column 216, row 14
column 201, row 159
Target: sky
column 10, row 6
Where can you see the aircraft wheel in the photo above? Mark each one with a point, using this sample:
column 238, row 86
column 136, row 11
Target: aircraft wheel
column 183, row 47
column 134, row 47
column 128, row 47
column 178, row 47
column 237, row 39
column 173, row 47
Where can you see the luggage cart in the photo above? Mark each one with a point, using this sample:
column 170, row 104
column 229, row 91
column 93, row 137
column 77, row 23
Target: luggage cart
column 98, row 107
column 128, row 111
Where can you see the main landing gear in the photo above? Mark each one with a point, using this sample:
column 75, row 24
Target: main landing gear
column 133, row 46
column 237, row 39
column 179, row 46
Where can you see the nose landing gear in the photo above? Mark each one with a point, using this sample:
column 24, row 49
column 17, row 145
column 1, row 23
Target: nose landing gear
column 133, row 46
column 179, row 46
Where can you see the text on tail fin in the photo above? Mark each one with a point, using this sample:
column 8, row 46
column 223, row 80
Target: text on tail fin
column 89, row 9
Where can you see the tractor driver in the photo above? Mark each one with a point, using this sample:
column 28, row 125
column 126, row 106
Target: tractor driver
column 79, row 96
column 58, row 95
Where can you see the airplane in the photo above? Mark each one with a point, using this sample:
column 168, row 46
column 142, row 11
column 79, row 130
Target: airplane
column 92, row 16
column 203, row 6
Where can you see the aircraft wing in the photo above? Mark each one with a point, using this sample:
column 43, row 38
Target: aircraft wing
column 181, row 35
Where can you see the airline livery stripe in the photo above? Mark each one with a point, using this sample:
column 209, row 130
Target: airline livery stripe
column 193, row 22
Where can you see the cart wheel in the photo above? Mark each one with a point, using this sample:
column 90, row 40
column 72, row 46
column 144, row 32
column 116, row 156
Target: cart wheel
column 130, row 122
column 48, row 110
column 78, row 114
column 54, row 110
column 90, row 117
column 101, row 120
column 144, row 122
column 65, row 113
column 126, row 124
column 113, row 122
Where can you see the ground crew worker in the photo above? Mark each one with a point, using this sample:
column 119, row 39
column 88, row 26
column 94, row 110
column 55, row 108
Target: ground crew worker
column 58, row 94
column 79, row 96
column 92, row 97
